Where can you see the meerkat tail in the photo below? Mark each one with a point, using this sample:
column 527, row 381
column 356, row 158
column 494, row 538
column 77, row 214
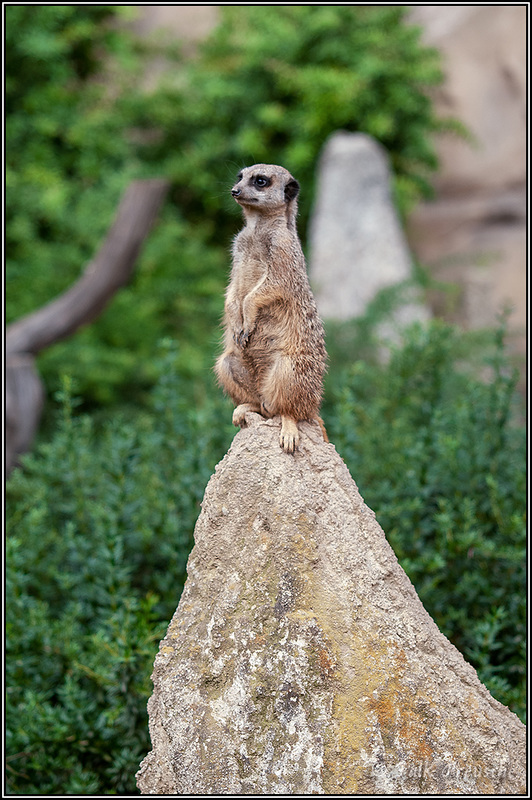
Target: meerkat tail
column 323, row 429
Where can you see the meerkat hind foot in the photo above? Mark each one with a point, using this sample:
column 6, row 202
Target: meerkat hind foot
column 289, row 438
column 239, row 414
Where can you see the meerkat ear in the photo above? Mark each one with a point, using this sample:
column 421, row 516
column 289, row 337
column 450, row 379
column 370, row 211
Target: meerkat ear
column 291, row 190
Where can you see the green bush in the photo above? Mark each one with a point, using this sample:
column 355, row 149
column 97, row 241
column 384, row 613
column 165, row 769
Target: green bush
column 66, row 155
column 99, row 529
column 100, row 525
column 438, row 455
column 269, row 83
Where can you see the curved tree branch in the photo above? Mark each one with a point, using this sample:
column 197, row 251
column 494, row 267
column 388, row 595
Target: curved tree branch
column 79, row 305
column 110, row 270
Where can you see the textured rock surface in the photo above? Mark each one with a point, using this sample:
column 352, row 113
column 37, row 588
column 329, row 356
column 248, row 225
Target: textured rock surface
column 474, row 233
column 357, row 245
column 484, row 56
column 300, row 659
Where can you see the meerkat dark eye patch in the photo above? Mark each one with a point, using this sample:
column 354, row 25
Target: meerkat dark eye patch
column 261, row 181
column 291, row 190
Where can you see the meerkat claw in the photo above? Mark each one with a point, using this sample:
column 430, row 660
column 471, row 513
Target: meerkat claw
column 242, row 338
column 264, row 411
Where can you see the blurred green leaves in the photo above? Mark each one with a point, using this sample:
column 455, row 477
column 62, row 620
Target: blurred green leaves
column 269, row 84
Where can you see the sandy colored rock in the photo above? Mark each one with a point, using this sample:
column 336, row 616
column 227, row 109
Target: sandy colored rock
column 187, row 24
column 484, row 58
column 300, row 659
column 357, row 245
column 474, row 232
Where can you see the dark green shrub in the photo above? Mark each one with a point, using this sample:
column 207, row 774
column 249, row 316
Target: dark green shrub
column 99, row 529
column 437, row 453
column 100, row 522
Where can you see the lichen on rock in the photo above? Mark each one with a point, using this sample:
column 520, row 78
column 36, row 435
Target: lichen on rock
column 300, row 659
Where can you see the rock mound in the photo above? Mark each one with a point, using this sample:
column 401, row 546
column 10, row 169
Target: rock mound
column 300, row 659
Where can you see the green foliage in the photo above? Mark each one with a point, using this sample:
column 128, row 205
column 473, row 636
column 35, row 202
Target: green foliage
column 68, row 159
column 283, row 78
column 99, row 529
column 100, row 523
column 437, row 454
column 178, row 289
column 64, row 144
column 270, row 83
column 100, row 518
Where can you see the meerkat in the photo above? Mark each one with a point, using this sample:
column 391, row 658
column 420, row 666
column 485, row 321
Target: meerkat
column 274, row 354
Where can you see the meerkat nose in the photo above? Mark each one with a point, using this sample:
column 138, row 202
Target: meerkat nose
column 235, row 192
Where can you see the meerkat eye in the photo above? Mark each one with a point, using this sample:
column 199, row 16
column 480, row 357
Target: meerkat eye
column 261, row 181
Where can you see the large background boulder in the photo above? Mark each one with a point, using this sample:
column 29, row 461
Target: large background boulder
column 300, row 659
column 357, row 245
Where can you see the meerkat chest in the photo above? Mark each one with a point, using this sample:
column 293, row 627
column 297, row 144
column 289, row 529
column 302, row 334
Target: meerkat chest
column 250, row 264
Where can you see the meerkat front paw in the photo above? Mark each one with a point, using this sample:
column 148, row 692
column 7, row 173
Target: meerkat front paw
column 289, row 438
column 239, row 414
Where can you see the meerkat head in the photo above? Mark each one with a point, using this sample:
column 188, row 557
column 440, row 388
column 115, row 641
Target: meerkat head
column 267, row 189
